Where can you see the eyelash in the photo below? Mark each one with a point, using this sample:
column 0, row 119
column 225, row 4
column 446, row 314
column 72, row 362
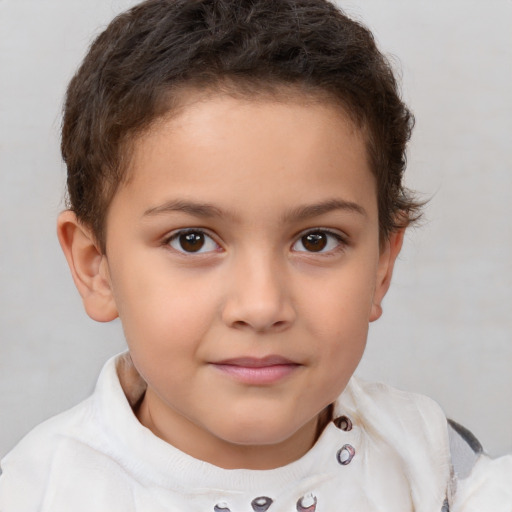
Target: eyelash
column 183, row 232
column 341, row 241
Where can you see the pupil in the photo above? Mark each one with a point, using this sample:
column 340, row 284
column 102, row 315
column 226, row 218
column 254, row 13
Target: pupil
column 192, row 242
column 314, row 242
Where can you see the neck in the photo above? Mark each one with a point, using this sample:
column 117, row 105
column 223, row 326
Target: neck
column 201, row 444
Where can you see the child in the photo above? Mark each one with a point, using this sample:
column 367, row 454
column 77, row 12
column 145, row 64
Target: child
column 235, row 188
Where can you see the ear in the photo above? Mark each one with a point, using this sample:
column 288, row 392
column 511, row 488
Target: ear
column 388, row 254
column 89, row 267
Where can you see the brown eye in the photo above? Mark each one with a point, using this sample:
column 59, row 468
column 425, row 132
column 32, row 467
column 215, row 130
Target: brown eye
column 314, row 242
column 319, row 241
column 192, row 242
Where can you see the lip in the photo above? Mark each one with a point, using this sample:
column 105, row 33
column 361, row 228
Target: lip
column 257, row 371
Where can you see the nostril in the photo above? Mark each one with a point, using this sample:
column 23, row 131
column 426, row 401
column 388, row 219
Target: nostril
column 262, row 314
column 275, row 326
column 240, row 324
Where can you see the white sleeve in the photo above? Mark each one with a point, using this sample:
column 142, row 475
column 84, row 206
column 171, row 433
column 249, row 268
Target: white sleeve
column 482, row 484
column 488, row 488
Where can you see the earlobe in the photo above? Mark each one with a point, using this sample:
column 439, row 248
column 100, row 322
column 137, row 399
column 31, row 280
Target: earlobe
column 388, row 255
column 88, row 266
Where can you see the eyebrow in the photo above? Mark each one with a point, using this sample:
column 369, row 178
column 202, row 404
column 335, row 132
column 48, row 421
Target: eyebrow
column 207, row 210
column 190, row 207
column 317, row 209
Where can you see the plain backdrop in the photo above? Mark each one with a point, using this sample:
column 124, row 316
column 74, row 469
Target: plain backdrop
column 447, row 324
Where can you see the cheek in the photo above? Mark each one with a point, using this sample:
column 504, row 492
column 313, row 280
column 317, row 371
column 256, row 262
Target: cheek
column 338, row 320
column 165, row 336
column 162, row 310
column 342, row 303
column 164, row 321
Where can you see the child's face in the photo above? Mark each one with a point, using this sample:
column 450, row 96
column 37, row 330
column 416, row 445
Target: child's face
column 244, row 261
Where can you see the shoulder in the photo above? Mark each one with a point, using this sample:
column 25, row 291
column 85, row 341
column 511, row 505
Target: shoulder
column 481, row 483
column 31, row 463
column 396, row 411
column 411, row 429
column 62, row 459
column 429, row 444
column 488, row 487
column 43, row 439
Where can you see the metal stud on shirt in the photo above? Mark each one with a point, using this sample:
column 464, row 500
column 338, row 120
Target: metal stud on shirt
column 343, row 423
column 261, row 504
column 345, row 454
column 307, row 503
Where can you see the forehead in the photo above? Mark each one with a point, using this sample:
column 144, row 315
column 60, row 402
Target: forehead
column 220, row 148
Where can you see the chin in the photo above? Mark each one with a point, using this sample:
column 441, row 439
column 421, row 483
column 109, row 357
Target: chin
column 257, row 433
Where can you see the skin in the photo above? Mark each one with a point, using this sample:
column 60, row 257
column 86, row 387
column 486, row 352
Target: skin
column 256, row 176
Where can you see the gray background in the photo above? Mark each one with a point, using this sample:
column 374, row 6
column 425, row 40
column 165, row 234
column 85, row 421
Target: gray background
column 447, row 325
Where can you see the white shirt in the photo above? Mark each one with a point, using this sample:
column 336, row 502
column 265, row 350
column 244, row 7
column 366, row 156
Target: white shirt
column 389, row 452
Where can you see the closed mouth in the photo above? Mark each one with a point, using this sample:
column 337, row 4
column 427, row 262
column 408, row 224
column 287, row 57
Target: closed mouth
column 254, row 371
column 256, row 362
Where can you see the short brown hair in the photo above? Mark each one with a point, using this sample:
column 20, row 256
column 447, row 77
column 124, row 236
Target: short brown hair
column 160, row 47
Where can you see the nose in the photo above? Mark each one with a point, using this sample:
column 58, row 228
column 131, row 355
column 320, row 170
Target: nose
column 259, row 296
